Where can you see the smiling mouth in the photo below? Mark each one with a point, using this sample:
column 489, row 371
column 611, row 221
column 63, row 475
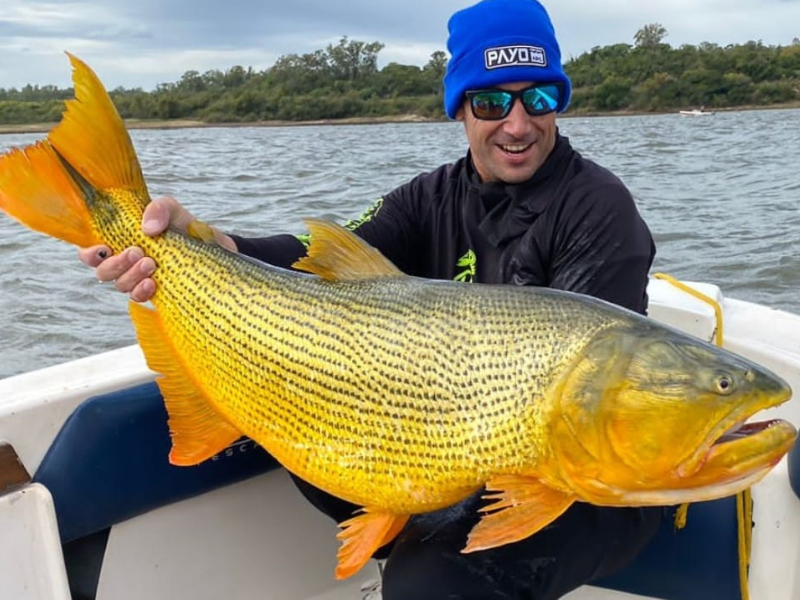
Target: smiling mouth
column 515, row 148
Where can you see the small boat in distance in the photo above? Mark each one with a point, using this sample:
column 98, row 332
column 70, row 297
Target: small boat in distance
column 697, row 112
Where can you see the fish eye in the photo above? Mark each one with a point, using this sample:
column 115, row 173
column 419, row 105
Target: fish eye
column 724, row 384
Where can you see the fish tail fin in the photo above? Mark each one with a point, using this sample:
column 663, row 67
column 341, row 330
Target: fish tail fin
column 52, row 185
column 93, row 139
column 37, row 190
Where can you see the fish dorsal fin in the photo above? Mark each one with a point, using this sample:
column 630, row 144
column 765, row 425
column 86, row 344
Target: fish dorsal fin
column 92, row 137
column 198, row 431
column 337, row 254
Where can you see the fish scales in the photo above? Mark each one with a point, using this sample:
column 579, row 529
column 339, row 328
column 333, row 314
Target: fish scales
column 346, row 385
column 351, row 369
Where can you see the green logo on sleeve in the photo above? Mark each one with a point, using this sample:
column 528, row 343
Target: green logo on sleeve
column 468, row 264
column 352, row 224
column 368, row 215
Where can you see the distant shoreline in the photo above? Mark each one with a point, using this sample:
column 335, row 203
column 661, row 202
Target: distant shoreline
column 194, row 124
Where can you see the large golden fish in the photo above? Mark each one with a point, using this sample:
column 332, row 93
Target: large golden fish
column 399, row 394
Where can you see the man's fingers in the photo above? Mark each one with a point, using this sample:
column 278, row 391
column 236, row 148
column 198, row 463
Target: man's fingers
column 143, row 291
column 135, row 274
column 93, row 255
column 164, row 212
column 156, row 217
column 131, row 271
column 115, row 266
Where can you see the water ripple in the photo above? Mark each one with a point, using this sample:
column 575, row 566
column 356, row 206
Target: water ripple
column 720, row 195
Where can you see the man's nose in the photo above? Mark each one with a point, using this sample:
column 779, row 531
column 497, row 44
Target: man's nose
column 518, row 121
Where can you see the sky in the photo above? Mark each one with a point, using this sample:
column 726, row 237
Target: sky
column 141, row 43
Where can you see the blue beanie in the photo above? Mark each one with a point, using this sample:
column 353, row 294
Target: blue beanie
column 501, row 41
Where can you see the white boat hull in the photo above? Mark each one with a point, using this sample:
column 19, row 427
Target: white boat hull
column 257, row 537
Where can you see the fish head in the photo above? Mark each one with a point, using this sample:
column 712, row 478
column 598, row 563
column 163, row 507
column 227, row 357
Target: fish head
column 647, row 415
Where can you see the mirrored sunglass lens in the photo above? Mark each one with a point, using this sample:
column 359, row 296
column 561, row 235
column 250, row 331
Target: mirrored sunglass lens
column 542, row 99
column 491, row 105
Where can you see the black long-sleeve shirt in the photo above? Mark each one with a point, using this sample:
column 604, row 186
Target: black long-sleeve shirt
column 573, row 226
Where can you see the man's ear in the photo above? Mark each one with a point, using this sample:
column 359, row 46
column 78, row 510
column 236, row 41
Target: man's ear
column 460, row 113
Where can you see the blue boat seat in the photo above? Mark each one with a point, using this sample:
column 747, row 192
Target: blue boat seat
column 109, row 463
column 793, row 462
column 698, row 562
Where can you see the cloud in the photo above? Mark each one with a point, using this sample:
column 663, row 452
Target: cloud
column 146, row 42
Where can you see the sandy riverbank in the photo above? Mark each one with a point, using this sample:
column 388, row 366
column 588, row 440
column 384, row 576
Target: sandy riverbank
column 190, row 124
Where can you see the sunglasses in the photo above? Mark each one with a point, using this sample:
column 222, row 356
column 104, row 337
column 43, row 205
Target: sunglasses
column 495, row 104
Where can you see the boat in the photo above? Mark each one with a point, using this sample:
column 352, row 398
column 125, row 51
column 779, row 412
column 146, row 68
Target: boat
column 91, row 509
column 696, row 112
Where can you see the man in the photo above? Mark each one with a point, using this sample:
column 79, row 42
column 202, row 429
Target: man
column 522, row 207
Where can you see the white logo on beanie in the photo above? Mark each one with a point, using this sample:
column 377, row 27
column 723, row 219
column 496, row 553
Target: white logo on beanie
column 515, row 56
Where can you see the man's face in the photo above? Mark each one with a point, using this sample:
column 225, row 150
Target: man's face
column 512, row 149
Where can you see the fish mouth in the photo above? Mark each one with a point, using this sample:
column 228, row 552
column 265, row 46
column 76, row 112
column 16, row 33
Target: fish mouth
column 737, row 460
column 743, row 430
column 734, row 436
column 751, row 445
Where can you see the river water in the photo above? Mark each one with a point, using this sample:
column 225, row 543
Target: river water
column 720, row 194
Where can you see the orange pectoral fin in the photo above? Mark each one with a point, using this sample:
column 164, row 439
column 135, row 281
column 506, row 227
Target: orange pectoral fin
column 362, row 535
column 523, row 506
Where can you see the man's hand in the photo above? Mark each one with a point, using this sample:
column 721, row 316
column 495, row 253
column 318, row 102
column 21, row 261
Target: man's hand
column 131, row 271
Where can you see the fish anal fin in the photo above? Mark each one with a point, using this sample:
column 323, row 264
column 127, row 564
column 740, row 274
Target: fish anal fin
column 523, row 506
column 37, row 190
column 198, row 431
column 362, row 535
column 337, row 254
column 93, row 139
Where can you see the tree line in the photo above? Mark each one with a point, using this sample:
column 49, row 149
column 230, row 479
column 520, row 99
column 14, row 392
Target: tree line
column 343, row 80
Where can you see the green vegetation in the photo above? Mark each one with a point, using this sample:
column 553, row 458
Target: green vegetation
column 344, row 81
column 652, row 76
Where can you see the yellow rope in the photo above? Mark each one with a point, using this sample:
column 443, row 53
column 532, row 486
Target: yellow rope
column 700, row 296
column 744, row 500
column 681, row 515
column 744, row 518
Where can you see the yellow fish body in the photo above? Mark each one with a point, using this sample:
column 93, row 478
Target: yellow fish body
column 399, row 394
